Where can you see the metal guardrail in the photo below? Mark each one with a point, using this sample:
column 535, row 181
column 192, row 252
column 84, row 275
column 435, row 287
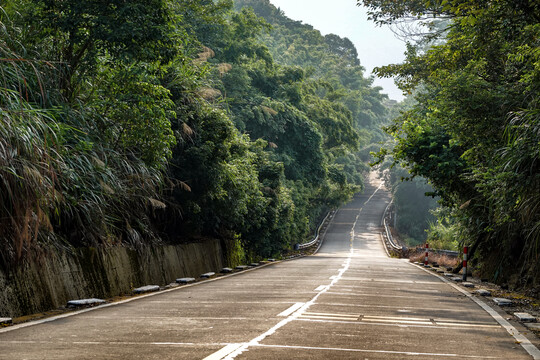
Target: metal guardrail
column 436, row 251
column 395, row 246
column 389, row 237
column 448, row 252
column 315, row 240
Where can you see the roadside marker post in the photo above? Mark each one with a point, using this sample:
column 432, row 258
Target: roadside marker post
column 427, row 254
column 465, row 258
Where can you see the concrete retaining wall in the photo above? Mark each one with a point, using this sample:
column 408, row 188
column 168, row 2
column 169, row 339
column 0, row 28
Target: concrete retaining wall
column 53, row 279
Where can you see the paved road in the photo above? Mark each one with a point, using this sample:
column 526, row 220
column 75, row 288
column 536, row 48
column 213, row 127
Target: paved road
column 350, row 301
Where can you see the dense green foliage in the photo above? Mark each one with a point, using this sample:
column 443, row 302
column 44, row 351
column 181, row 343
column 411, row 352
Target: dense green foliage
column 474, row 130
column 144, row 122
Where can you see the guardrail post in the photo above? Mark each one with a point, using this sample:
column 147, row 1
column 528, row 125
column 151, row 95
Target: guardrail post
column 465, row 258
column 427, row 254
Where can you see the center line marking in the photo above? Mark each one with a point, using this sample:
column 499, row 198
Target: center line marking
column 223, row 352
column 295, row 314
column 321, row 287
column 291, row 309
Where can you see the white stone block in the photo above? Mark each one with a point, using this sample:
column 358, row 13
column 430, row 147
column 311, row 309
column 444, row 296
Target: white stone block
column 525, row 317
column 146, row 289
column 185, row 280
column 85, row 302
column 502, row 301
column 483, row 292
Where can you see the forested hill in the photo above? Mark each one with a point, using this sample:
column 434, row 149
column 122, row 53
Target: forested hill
column 160, row 121
column 331, row 66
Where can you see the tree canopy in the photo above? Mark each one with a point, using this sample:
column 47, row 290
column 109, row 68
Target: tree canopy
column 474, row 129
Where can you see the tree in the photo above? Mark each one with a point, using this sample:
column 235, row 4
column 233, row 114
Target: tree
column 342, row 47
column 83, row 31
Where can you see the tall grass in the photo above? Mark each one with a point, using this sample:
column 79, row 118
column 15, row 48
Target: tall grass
column 61, row 185
column 27, row 140
column 520, row 163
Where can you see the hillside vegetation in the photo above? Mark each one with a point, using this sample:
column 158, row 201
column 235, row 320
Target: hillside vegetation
column 474, row 130
column 160, row 121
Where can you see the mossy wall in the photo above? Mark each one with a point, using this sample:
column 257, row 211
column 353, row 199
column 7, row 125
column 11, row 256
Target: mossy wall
column 51, row 280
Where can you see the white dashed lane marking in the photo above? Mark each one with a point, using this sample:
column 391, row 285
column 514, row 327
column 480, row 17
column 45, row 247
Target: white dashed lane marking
column 291, row 309
column 223, row 352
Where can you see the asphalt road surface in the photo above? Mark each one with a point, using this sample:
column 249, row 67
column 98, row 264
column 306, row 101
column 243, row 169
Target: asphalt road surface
column 349, row 301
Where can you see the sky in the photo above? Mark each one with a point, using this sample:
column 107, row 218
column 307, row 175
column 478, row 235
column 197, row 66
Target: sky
column 377, row 46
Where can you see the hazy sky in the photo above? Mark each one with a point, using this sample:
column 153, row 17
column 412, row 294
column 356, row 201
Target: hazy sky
column 376, row 46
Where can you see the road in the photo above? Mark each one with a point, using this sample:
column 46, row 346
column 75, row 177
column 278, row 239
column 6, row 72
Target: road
column 349, row 301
